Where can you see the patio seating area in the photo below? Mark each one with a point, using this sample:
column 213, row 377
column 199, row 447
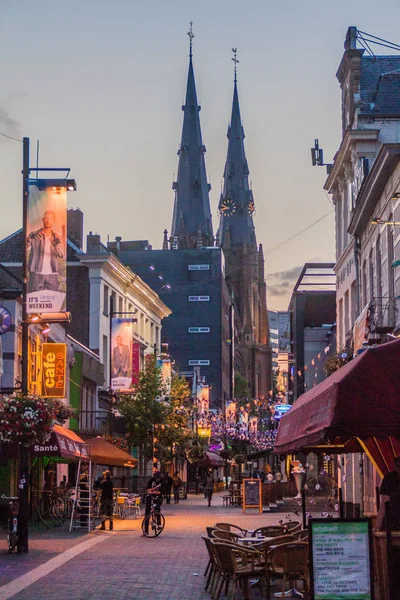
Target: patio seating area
column 268, row 562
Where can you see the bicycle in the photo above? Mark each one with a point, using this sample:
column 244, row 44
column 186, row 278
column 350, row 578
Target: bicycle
column 13, row 510
column 154, row 523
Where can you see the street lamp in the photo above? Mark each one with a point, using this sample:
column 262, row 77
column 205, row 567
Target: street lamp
column 23, row 478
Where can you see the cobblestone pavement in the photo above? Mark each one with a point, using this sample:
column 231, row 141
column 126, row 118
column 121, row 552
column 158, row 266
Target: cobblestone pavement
column 124, row 565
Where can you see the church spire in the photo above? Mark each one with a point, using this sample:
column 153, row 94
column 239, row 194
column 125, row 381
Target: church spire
column 192, row 204
column 236, row 204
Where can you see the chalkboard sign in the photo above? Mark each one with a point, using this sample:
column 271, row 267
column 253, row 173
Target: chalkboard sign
column 252, row 494
column 340, row 559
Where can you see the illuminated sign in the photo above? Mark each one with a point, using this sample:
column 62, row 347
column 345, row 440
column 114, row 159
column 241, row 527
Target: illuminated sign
column 53, row 369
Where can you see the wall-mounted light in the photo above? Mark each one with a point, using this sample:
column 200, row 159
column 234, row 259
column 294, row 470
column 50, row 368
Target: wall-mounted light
column 395, row 196
column 46, row 329
column 378, row 221
column 71, row 185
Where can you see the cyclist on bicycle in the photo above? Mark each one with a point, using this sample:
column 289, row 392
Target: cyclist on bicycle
column 153, row 494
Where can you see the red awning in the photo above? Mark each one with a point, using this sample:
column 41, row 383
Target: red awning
column 213, row 460
column 63, row 443
column 104, row 453
column 360, row 400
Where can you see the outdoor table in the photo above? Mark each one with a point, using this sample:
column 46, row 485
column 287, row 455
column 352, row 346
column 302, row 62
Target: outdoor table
column 253, row 540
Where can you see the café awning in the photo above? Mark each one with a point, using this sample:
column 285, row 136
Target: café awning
column 213, row 460
column 357, row 407
column 104, row 453
column 63, row 443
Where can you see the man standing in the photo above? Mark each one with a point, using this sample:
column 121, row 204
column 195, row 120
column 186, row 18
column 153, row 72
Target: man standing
column 389, row 490
column 121, row 358
column 168, row 486
column 176, row 486
column 209, row 486
column 45, row 248
column 107, row 500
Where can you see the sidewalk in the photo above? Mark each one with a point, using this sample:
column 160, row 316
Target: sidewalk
column 123, row 565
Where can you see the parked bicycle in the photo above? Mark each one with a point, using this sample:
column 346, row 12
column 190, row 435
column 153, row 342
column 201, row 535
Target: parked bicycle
column 154, row 523
column 12, row 521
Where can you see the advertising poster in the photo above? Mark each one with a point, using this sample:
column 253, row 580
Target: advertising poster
column 121, row 354
column 46, row 249
column 135, row 361
column 340, row 555
column 284, row 332
column 54, row 362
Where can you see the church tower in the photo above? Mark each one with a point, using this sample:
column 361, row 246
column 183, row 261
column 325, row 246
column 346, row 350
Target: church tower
column 191, row 221
column 244, row 260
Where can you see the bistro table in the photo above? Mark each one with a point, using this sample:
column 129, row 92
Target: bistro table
column 253, row 540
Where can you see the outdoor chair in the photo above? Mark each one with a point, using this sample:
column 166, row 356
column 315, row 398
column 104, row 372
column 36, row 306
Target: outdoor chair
column 266, row 545
column 289, row 562
column 301, row 535
column 211, row 565
column 292, row 526
column 231, row 527
column 209, row 530
column 225, row 535
column 270, row 531
column 236, row 566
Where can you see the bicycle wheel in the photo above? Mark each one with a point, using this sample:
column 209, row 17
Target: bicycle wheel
column 154, row 523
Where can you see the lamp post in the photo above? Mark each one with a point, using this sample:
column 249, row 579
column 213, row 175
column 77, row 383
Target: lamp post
column 23, row 476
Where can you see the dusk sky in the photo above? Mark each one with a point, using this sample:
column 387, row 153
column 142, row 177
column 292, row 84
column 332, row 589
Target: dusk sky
column 101, row 84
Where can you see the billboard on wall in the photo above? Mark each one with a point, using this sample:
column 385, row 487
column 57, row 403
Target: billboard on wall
column 54, row 363
column 46, row 248
column 121, row 354
column 284, row 332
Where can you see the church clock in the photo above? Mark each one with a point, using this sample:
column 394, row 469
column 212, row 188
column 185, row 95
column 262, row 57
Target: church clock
column 228, row 207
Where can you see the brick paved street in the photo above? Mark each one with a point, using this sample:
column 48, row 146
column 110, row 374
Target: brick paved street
column 124, row 565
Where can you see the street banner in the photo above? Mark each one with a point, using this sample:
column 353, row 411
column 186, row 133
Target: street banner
column 283, row 332
column 46, row 248
column 230, row 412
column 121, row 354
column 203, row 399
column 54, row 363
column 340, row 559
column 135, row 362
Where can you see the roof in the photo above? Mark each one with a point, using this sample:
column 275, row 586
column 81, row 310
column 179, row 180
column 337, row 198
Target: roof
column 9, row 281
column 103, row 453
column 379, row 85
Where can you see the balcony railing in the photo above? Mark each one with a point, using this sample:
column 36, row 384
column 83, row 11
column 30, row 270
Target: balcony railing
column 382, row 314
column 94, row 421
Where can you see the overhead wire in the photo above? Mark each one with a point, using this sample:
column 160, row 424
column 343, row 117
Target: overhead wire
column 10, row 137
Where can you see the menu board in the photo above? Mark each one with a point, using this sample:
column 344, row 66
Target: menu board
column 340, row 559
column 252, row 494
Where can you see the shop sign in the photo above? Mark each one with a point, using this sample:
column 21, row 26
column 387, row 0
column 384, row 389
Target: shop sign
column 53, row 369
column 340, row 559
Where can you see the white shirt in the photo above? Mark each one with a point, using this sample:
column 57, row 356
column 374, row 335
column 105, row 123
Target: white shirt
column 46, row 269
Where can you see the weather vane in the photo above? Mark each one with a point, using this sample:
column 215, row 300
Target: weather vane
column 191, row 36
column 235, row 60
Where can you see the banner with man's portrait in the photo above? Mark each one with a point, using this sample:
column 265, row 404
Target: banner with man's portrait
column 46, row 248
column 121, row 354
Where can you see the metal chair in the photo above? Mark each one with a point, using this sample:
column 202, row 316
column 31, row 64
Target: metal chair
column 270, row 531
column 232, row 527
column 289, row 562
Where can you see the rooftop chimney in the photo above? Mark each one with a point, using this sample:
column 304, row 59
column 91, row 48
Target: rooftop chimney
column 75, row 226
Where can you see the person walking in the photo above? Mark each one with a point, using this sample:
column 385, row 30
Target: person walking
column 176, row 486
column 106, row 487
column 209, row 486
column 168, row 487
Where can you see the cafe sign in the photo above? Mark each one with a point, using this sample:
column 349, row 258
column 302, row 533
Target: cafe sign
column 54, row 361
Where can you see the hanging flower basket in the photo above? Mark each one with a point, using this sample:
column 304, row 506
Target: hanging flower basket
column 29, row 419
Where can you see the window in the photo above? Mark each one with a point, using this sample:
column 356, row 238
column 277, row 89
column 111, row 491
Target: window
column 198, row 363
column 120, row 305
column 113, row 306
column 199, row 298
column 105, row 300
column 105, row 359
column 198, row 267
column 199, row 330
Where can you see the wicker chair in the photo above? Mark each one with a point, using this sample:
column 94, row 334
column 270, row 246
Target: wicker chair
column 236, row 565
column 211, row 565
column 301, row 535
column 270, row 531
column 225, row 535
column 289, row 562
column 231, row 527
column 292, row 526
column 266, row 545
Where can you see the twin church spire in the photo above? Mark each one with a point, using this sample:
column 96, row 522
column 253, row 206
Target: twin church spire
column 192, row 221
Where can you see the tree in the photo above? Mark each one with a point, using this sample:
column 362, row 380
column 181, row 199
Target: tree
column 241, row 386
column 142, row 410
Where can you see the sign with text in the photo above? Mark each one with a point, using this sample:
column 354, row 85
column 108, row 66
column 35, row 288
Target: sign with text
column 252, row 494
column 340, row 559
column 46, row 248
column 54, row 362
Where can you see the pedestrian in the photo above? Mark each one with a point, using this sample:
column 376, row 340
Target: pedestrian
column 390, row 492
column 209, row 486
column 176, row 486
column 168, row 487
column 153, row 494
column 106, row 487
